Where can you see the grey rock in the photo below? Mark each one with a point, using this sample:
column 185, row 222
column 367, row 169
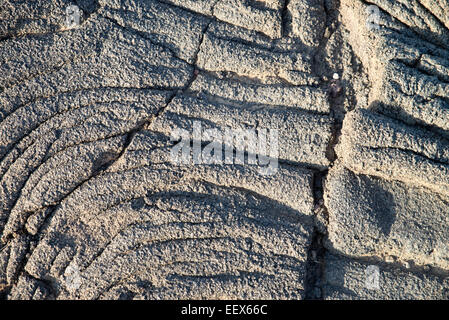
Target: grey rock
column 373, row 217
column 171, row 27
column 92, row 205
column 301, row 97
column 376, row 145
column 345, row 279
column 245, row 60
column 303, row 137
column 308, row 20
column 253, row 15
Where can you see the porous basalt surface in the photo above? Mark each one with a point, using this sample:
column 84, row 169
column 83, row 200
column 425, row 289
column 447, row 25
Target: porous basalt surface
column 91, row 207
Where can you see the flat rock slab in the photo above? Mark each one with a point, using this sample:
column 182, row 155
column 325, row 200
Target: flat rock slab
column 369, row 216
column 346, row 279
column 303, row 137
column 377, row 145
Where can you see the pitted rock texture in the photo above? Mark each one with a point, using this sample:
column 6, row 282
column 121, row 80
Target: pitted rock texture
column 93, row 207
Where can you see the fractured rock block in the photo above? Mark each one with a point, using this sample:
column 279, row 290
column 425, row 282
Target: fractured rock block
column 168, row 26
column 346, row 279
column 369, row 216
column 308, row 20
column 219, row 55
column 376, row 145
column 124, row 60
column 303, row 137
column 251, row 15
column 298, row 97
